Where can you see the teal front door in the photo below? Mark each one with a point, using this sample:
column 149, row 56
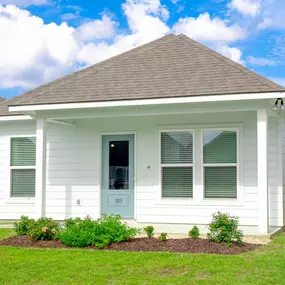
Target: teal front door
column 118, row 175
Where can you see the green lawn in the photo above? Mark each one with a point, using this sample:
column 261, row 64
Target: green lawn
column 60, row 266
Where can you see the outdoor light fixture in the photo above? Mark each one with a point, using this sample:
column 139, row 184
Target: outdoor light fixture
column 278, row 105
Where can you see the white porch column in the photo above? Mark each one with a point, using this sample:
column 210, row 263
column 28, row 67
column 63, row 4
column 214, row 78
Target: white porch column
column 40, row 167
column 262, row 169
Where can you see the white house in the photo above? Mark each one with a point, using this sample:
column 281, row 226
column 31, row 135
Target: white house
column 165, row 134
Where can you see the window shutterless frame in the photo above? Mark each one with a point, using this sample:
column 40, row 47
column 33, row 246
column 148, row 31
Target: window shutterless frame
column 11, row 168
column 237, row 164
column 176, row 165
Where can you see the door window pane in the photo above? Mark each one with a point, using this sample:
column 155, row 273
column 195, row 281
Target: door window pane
column 119, row 165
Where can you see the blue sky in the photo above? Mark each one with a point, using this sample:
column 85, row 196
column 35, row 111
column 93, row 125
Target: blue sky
column 41, row 40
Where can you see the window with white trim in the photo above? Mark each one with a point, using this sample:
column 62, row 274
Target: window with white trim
column 177, row 163
column 23, row 166
column 220, row 163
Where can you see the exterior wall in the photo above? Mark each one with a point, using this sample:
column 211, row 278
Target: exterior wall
column 13, row 208
column 74, row 169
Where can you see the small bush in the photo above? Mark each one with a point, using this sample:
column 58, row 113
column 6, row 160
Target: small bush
column 149, row 231
column 44, row 229
column 163, row 237
column 22, row 227
column 99, row 233
column 194, row 232
column 224, row 228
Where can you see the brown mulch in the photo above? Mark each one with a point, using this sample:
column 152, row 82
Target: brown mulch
column 186, row 245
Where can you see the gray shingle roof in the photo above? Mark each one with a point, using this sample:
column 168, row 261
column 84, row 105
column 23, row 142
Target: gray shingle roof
column 172, row 66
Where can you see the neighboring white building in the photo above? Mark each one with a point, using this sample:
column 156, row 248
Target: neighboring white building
column 165, row 134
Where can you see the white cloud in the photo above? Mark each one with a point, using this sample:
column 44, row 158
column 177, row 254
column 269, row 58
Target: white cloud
column 246, row 7
column 205, row 29
column 145, row 20
column 97, row 29
column 265, row 23
column 233, row 53
column 23, row 3
column 273, row 14
column 214, row 32
column 32, row 52
column 261, row 61
column 69, row 16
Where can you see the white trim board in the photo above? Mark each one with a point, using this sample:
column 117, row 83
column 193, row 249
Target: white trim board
column 198, row 198
column 15, row 118
column 142, row 102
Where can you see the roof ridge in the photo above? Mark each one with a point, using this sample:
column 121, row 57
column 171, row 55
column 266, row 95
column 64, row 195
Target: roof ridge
column 231, row 62
column 89, row 68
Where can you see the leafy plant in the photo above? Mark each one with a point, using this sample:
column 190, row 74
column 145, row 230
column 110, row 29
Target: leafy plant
column 99, row 233
column 22, row 227
column 224, row 228
column 44, row 229
column 194, row 232
column 149, row 231
column 163, row 237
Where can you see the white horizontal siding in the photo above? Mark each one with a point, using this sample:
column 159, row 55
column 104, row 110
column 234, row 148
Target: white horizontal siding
column 74, row 168
column 72, row 171
column 12, row 208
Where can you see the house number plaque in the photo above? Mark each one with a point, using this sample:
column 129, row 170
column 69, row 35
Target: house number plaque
column 116, row 200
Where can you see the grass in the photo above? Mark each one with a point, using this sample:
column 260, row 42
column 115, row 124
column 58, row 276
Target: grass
column 60, row 266
column 4, row 233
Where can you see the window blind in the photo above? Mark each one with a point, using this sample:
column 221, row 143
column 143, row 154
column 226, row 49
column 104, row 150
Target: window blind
column 176, row 164
column 177, row 182
column 23, row 182
column 23, row 154
column 23, row 151
column 176, row 147
column 220, row 149
column 220, row 182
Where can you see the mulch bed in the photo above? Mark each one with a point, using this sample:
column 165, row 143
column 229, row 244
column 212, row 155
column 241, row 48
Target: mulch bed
column 186, row 245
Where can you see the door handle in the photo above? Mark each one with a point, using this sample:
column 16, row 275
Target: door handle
column 134, row 177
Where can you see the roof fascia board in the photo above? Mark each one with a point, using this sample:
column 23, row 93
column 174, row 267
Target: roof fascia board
column 15, row 118
column 142, row 102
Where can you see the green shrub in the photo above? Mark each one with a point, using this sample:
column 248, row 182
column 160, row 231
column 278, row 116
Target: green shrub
column 224, row 228
column 99, row 233
column 194, row 232
column 44, row 229
column 22, row 227
column 71, row 222
column 163, row 237
column 149, row 231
